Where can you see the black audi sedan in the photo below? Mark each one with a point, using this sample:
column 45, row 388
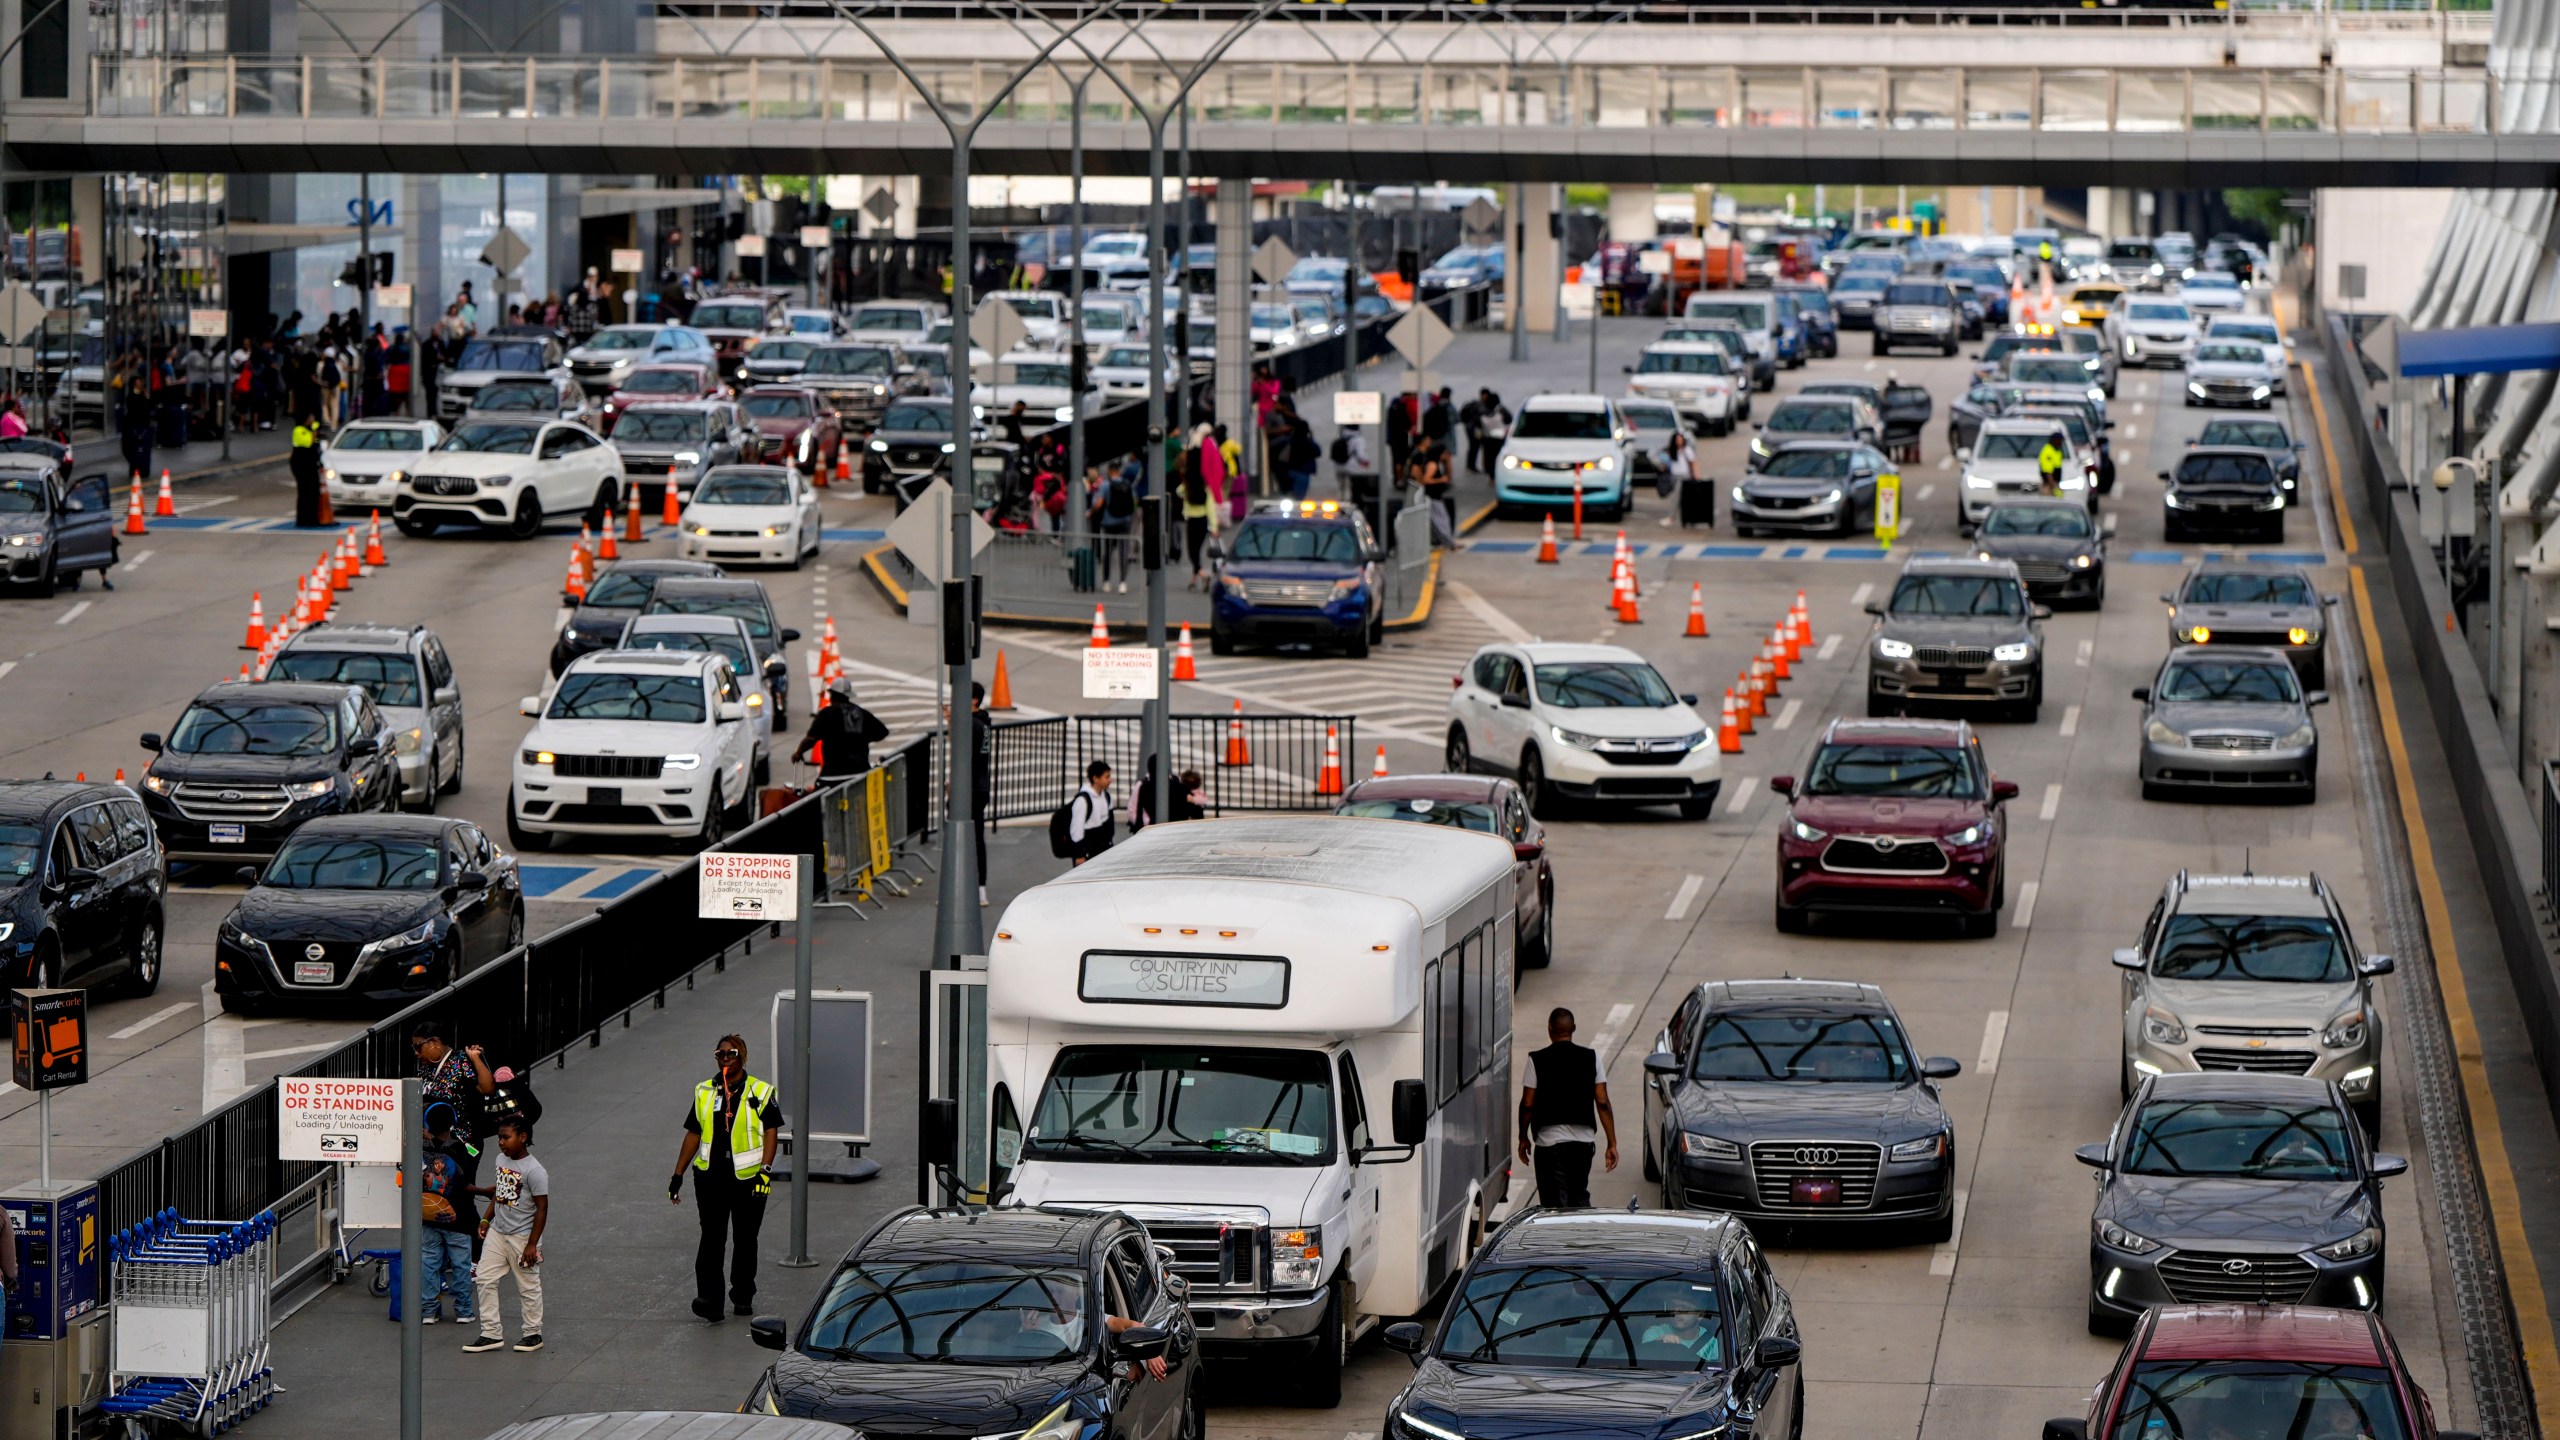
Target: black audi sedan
column 248, row 763
column 1607, row 1325
column 368, row 907
column 620, row 591
column 82, row 885
column 1027, row 1324
column 1799, row 1102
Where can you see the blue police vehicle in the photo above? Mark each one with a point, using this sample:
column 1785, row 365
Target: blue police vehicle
column 1299, row 572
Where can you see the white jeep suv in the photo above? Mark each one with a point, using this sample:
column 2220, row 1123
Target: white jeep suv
column 635, row 742
column 1587, row 722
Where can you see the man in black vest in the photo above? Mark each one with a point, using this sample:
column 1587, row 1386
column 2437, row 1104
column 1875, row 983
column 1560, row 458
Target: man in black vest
column 1565, row 1109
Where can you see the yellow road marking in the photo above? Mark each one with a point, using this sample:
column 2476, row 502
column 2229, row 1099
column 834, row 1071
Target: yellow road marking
column 2329, row 458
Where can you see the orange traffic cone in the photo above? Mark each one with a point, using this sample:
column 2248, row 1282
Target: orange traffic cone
column 257, row 638
column 1804, row 614
column 119, row 774
column 587, row 543
column 1697, row 611
column 822, row 474
column 80, row 778
column 670, row 510
column 844, row 468
column 1329, row 779
column 1777, row 651
column 1378, row 771
column 1627, row 612
column 1000, row 690
column 1728, row 729
column 342, row 562
column 1237, row 753
column 1617, row 580
column 167, row 505
column 328, row 508
column 576, row 585
column 133, row 512
column 1547, row 541
column 1101, row 639
column 1759, row 678
column 1741, row 694
column 1183, row 667
column 374, row 559
column 607, row 549
column 245, row 677
column 1577, row 511
column 631, row 533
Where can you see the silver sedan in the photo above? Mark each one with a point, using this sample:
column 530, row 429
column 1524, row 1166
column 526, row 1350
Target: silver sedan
column 2231, row 717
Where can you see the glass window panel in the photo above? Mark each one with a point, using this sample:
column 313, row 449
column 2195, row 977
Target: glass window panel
column 2075, row 100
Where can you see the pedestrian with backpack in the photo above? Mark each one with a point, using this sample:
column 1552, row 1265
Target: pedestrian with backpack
column 1114, row 510
column 449, row 1215
column 1081, row 828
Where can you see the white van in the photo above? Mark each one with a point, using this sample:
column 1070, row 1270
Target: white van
column 1267, row 1018
column 1758, row 317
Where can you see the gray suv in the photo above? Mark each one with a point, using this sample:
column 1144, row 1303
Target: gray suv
column 406, row 671
column 53, row 527
column 1958, row 631
column 2229, row 717
column 1919, row 312
column 2236, row 603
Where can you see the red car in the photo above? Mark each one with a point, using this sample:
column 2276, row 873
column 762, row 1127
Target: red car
column 1894, row 816
column 1491, row 805
column 2291, row 1370
column 661, row 385
column 791, row 428
column 736, row 322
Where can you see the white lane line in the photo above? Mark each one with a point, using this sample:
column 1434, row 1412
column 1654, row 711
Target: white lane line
column 2087, row 649
column 1610, row 1029
column 136, row 562
column 1928, row 490
column 1744, row 788
column 2131, row 429
column 1830, row 646
column 312, row 1048
column 226, row 1072
column 2026, row 911
column 2052, row 805
column 5, row 667
column 1485, row 610
column 206, row 503
column 8, row 1087
column 74, row 612
column 1787, row 714
column 2137, row 407
column 1859, row 596
column 2070, row 719
column 1946, row 462
column 1942, row 1260
column 1995, row 1033
column 1870, row 365
column 154, row 1018
column 1680, row 900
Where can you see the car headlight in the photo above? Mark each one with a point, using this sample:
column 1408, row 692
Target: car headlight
column 2159, row 733
column 1830, row 497
column 1064, row 413
column 696, row 527
column 1510, row 462
column 1573, row 738
column 1413, row 1429
column 2195, row 387
column 1605, row 462
column 2297, row 738
column 157, row 785
column 1739, row 498
column 1297, row 1258
column 2014, row 651
column 1059, row 1424
column 499, row 482
column 1973, row 834
column 1231, row 585
column 311, row 789
column 1701, row 740
column 1760, row 447
column 1708, row 1147
column 2261, row 393
column 232, row 932
column 1894, row 649
column 806, row 438
column 2196, row 634
column 539, row 757
column 2362, row 1243
column 406, row 742
column 329, row 473
column 683, row 762
column 405, row 940
column 688, row 457
column 1347, row 586
column 2162, row 1028
column 1976, row 482
column 2111, row 1233
column 28, row 541
column 947, row 447
column 2070, row 317
column 2346, row 1032
column 396, row 477
column 7, row 929
column 880, row 447
column 2300, row 636
column 2083, row 562
column 1927, row 1147
column 1807, row 833
column 2176, row 501
column 879, row 389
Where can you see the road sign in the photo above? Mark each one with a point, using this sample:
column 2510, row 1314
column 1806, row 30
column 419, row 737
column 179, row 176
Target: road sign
column 816, row 237
column 923, row 533
column 1578, row 300
column 208, row 324
column 1121, row 673
column 750, row 247
column 392, row 297
column 998, row 329
column 1273, row 260
column 1357, row 407
column 1653, row 262
column 1420, row 336
column 51, row 1029
column 506, row 251
column 20, row 311
column 1888, row 508
column 1482, row 221
column 736, row 886
column 882, row 206
column 626, row 262
column 360, row 1122
column 1689, row 247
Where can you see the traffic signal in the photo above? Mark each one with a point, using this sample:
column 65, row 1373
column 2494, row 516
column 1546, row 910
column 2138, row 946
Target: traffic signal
column 352, row 275
column 1409, row 265
column 382, row 267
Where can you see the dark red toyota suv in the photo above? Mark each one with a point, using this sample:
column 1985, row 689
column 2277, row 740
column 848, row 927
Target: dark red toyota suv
column 1894, row 816
column 2298, row 1370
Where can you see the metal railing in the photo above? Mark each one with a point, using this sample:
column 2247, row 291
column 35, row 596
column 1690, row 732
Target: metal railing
column 2304, row 16
column 1039, row 763
column 2551, row 834
column 1677, row 97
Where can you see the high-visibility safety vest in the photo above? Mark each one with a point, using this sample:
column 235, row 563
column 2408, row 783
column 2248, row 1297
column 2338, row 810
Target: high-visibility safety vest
column 746, row 1129
column 304, row 438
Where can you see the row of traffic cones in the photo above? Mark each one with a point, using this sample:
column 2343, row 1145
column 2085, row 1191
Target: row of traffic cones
column 315, row 594
column 1758, row 683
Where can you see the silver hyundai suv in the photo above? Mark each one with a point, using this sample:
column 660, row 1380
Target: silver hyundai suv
column 406, row 671
column 2255, row 973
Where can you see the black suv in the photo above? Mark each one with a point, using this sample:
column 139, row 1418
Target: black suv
column 992, row 1322
column 621, row 591
column 910, row 445
column 82, row 882
column 2223, row 490
column 248, row 762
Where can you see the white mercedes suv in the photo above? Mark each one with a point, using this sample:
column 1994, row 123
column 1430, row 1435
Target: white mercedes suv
column 634, row 742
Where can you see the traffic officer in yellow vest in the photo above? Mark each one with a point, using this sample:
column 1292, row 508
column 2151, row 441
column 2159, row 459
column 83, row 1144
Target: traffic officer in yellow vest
column 305, row 465
column 729, row 1138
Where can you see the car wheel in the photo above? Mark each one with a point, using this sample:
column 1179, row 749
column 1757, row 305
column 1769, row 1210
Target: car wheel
column 427, row 806
column 1219, row 643
column 1937, row 1230
column 1457, row 756
column 1653, row 1167
column 1357, row 647
column 2107, row 1323
column 1792, row 919
column 454, row 785
column 2154, row 790
column 525, row 842
column 48, row 582
column 1697, row 807
column 528, row 518
column 1195, row 1413
column 234, row 1003
column 1879, row 706
column 1533, row 784
column 1795, row 1424
column 45, row 971
column 715, row 819
column 145, row 975
column 2369, row 1115
column 413, row 527
column 600, row 510
column 1320, row 1387
column 1947, row 349
column 1879, row 347
column 1982, row 926
column 1542, row 945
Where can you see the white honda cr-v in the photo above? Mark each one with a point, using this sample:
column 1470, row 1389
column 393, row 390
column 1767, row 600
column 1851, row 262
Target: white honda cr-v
column 1589, row 722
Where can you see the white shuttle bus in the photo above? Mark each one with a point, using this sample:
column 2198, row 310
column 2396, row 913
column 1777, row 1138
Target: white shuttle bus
column 1283, row 1045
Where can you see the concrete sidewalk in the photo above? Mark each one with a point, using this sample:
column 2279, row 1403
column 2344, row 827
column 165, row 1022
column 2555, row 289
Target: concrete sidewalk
column 619, row 1259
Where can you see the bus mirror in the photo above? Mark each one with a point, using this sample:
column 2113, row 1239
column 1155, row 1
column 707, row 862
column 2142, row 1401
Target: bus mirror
column 938, row 1136
column 1411, row 1112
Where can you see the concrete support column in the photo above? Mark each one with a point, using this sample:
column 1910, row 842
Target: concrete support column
column 1541, row 210
column 2102, row 210
column 1631, row 213
column 1234, row 223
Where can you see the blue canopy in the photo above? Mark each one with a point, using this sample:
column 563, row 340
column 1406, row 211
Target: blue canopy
column 2480, row 349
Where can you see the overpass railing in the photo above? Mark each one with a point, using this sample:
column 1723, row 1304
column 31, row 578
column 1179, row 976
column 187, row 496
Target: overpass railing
column 1243, row 91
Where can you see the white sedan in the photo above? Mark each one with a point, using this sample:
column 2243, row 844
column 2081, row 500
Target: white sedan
column 365, row 464
column 754, row 513
column 511, row 474
column 1122, row 373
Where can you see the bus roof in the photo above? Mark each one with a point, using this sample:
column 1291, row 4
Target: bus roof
column 1430, row 867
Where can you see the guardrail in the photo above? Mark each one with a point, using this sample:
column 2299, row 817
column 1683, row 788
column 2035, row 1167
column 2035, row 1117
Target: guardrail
column 1541, row 97
column 1039, row 763
column 2551, row 834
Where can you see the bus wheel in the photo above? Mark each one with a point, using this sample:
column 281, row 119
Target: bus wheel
column 1321, row 1387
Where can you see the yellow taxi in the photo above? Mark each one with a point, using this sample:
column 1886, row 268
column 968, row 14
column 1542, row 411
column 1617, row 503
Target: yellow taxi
column 2089, row 304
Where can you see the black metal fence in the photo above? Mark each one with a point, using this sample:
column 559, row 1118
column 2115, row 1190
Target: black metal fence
column 1039, row 763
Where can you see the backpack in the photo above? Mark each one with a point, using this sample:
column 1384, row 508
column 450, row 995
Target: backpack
column 1118, row 501
column 513, row 1097
column 1341, row 451
column 1061, row 840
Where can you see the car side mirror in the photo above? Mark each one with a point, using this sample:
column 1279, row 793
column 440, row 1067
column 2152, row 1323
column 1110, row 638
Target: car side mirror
column 1941, row 1067
column 2164, row 474
column 1528, row 849
column 1626, row 369
column 471, row 880
column 789, row 635
column 1662, row 1063
column 2003, row 791
column 2377, row 965
column 449, row 695
column 2386, row 1166
column 151, row 742
column 731, row 710
column 1409, row 1113
column 2093, row 1156
column 1146, row 1342
column 1783, row 785
column 2142, row 692
column 78, row 877
column 1405, row 1336
column 529, row 705
column 1775, row 1352
column 770, row 1331
column 2331, row 600
column 2039, row 612
column 2066, row 1427
column 1873, row 608
column 2126, row 957
column 2316, row 697
column 362, row 746
column 1514, row 700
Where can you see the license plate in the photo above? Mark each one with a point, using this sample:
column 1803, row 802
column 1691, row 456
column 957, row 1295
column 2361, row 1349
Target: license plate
column 1810, row 1190
column 227, row 834
column 1948, row 679
column 313, row 972
column 604, row 794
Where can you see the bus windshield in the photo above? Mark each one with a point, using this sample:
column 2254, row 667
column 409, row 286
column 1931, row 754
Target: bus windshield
column 1193, row 1104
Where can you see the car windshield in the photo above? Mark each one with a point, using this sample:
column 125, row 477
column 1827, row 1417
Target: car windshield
column 2159, row 310
column 493, row 439
column 776, row 407
column 2261, row 434
column 1957, row 595
column 1811, row 464
column 620, row 340
column 1125, row 357
column 1675, row 362
column 1650, row 416
column 1603, row 685
column 612, row 695
column 1854, row 1046
column 389, row 679
column 965, row 1312
column 663, row 382
column 501, row 355
column 1290, row 540
column 2095, row 297
column 622, row 589
column 355, row 862
column 1217, row 1104
column 1812, row 301
column 1460, row 815
column 255, row 727
column 2043, row 370
column 2214, row 287
column 1987, row 277
column 1918, row 295
column 379, row 437
column 932, row 419
column 2240, row 682
column 743, row 489
column 1034, row 307
column 1559, row 1318
column 849, row 360
column 750, row 608
column 2282, row 949
column 2011, row 444
column 785, row 349
column 732, row 316
column 1750, row 315
column 2275, row 1399
column 21, row 847
column 887, row 318
column 1559, row 424
column 695, row 642
column 2225, row 470
column 808, row 324
column 1814, row 419
column 2131, row 250
column 2069, row 521
column 2239, row 1140
column 1043, row 375
column 646, row 426
column 2075, row 423
column 1915, row 772
column 2210, row 587
column 2231, row 354
column 1863, row 282
column 519, row 397
column 24, row 495
column 1327, row 267
column 2259, row 330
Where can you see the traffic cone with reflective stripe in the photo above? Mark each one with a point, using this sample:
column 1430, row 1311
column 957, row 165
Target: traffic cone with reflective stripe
column 844, row 468
column 1101, row 639
column 1000, row 690
column 632, row 534
column 342, row 562
column 1547, row 540
column 670, row 511
column 1378, row 771
column 1741, row 693
column 1617, row 579
column 257, row 639
column 1628, row 614
column 1183, row 666
column 1697, row 612
column 119, row 774
column 1238, row 754
column 167, row 504
column 1759, row 673
column 576, row 585
column 374, row 559
column 1728, row 729
column 133, row 524
column 1777, row 649
column 606, row 547
column 1329, row 779
column 587, row 546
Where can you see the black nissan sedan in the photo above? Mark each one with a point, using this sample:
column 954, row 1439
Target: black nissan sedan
column 1027, row 1324
column 1607, row 1325
column 248, row 762
column 368, row 907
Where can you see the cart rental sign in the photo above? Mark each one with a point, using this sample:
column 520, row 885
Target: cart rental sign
column 355, row 1121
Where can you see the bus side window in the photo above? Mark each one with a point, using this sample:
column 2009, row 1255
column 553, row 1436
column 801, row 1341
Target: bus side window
column 1447, row 1031
column 1007, row 1151
column 1355, row 1108
column 1480, row 1031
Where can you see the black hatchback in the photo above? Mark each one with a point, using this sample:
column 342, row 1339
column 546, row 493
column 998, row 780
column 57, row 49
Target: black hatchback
column 1021, row 1323
column 249, row 762
column 82, row 883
